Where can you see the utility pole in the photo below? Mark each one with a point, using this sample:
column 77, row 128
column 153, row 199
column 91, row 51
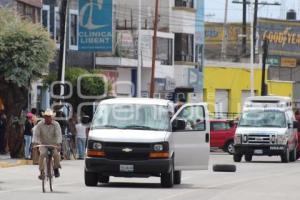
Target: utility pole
column 244, row 38
column 254, row 28
column 251, row 53
column 62, row 49
column 139, row 69
column 154, row 43
column 225, row 34
column 265, row 55
column 256, row 3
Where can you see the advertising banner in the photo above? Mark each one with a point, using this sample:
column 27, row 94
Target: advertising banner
column 95, row 25
column 283, row 36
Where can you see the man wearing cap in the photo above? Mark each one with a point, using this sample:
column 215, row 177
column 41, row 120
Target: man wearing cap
column 48, row 132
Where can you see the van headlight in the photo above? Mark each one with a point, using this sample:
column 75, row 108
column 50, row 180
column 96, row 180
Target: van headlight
column 95, row 145
column 238, row 139
column 161, row 147
column 281, row 139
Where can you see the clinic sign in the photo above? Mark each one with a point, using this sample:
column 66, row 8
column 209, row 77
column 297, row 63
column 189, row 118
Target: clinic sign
column 95, row 25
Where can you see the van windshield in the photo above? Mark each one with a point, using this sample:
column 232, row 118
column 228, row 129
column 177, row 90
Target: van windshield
column 263, row 118
column 131, row 116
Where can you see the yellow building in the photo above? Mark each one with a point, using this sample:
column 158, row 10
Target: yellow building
column 227, row 86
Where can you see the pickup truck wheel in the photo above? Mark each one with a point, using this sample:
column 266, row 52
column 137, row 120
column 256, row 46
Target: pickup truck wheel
column 248, row 157
column 229, row 148
column 103, row 179
column 237, row 157
column 177, row 177
column 285, row 156
column 293, row 155
column 90, row 178
column 167, row 179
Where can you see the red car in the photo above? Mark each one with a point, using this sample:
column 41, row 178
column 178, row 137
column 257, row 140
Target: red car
column 222, row 134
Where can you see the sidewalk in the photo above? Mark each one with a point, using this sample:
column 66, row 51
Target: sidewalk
column 6, row 161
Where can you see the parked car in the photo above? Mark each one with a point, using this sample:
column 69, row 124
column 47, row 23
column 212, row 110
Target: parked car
column 222, row 134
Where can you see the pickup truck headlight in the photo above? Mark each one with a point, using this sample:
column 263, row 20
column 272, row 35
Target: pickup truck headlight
column 238, row 139
column 281, row 139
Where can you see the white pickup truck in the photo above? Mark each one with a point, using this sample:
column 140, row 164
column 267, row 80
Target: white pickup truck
column 141, row 137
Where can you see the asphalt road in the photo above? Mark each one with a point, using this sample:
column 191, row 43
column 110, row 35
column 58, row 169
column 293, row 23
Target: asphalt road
column 264, row 178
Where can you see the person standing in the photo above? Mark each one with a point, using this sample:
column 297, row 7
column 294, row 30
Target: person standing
column 28, row 134
column 81, row 136
column 2, row 132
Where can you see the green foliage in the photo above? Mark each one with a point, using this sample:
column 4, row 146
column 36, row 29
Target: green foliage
column 26, row 49
column 90, row 85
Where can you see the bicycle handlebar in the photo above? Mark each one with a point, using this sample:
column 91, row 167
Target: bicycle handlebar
column 45, row 145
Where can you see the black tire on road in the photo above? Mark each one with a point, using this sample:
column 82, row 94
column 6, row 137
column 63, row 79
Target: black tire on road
column 285, row 156
column 177, row 177
column 103, row 179
column 224, row 168
column 248, row 157
column 90, row 178
column 167, row 179
column 237, row 157
column 229, row 147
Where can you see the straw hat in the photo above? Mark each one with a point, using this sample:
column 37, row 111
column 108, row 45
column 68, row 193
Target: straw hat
column 49, row 113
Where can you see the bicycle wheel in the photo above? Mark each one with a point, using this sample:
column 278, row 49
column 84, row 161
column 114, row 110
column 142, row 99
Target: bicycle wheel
column 43, row 185
column 44, row 177
column 72, row 149
column 67, row 149
column 50, row 172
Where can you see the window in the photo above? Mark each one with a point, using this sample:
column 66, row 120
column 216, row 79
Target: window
column 194, row 118
column 165, row 51
column 57, row 26
column 184, row 3
column 220, row 126
column 46, row 17
column 73, row 29
column 184, row 47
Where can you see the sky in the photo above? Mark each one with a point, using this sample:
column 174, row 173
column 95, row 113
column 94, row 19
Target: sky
column 214, row 10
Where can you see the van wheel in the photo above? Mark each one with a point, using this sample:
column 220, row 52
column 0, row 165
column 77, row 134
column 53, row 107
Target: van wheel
column 90, row 178
column 229, row 147
column 248, row 157
column 293, row 155
column 167, row 179
column 285, row 156
column 103, row 179
column 237, row 157
column 177, row 177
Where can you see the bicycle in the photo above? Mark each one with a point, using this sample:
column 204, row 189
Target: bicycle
column 49, row 172
column 68, row 147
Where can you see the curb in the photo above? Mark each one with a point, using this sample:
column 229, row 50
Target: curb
column 15, row 164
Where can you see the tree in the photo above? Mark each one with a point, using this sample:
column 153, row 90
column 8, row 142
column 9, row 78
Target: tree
column 90, row 86
column 25, row 53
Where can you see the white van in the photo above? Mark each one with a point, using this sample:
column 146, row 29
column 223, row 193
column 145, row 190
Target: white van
column 140, row 137
column 267, row 127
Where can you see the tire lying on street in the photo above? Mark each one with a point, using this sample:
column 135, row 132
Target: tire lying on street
column 224, row 168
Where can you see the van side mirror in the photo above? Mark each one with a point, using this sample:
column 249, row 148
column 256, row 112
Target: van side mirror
column 178, row 125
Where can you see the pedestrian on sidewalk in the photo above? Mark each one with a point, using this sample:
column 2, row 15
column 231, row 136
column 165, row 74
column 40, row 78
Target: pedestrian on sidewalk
column 81, row 135
column 2, row 131
column 28, row 135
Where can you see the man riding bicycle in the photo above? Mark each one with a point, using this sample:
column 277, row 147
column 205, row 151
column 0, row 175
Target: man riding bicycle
column 48, row 132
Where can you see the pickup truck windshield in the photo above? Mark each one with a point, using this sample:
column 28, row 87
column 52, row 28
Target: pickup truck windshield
column 131, row 116
column 263, row 118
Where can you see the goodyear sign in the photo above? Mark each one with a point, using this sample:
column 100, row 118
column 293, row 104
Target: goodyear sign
column 95, row 25
column 283, row 36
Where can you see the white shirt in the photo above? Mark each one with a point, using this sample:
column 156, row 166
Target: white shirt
column 81, row 130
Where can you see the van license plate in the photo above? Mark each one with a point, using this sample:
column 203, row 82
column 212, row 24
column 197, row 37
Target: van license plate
column 258, row 151
column 126, row 168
